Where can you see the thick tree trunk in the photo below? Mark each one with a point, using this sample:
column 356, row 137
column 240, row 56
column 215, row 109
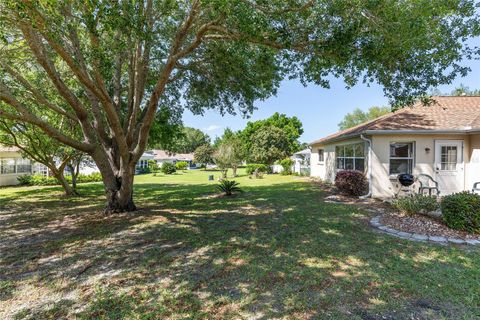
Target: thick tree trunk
column 119, row 193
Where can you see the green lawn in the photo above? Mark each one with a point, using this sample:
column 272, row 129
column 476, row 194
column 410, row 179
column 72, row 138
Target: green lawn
column 276, row 251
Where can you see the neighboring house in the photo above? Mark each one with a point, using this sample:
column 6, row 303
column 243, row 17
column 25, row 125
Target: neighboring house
column 13, row 165
column 302, row 161
column 441, row 140
column 162, row 156
column 143, row 161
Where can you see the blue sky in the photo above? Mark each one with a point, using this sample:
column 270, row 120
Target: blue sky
column 319, row 109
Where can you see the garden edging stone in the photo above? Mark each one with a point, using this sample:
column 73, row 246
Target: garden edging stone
column 375, row 222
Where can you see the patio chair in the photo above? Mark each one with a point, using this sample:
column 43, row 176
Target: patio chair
column 476, row 187
column 427, row 183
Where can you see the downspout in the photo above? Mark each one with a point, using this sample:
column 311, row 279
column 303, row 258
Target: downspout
column 369, row 166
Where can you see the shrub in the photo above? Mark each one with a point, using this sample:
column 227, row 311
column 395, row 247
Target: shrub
column 168, row 168
column 263, row 168
column 351, row 182
column 40, row 180
column 93, row 177
column 416, row 204
column 287, row 164
column 181, row 165
column 25, row 180
column 229, row 186
column 461, row 211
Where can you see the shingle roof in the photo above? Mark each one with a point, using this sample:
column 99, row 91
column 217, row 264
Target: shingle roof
column 444, row 113
column 164, row 155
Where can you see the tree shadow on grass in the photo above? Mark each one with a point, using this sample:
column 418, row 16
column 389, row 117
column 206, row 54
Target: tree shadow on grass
column 275, row 251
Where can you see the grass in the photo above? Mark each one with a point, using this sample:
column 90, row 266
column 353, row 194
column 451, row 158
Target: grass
column 276, row 251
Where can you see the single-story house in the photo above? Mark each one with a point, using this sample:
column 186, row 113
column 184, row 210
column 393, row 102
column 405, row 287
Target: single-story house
column 162, row 156
column 301, row 163
column 14, row 165
column 441, row 139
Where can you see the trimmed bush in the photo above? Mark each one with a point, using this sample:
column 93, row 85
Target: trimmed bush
column 416, row 204
column 461, row 211
column 351, row 182
column 181, row 165
column 168, row 168
column 263, row 168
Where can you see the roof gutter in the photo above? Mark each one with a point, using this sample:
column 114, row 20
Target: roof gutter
column 449, row 131
column 369, row 166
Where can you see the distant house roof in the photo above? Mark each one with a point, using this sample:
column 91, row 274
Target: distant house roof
column 303, row 152
column 9, row 149
column 165, row 155
column 445, row 114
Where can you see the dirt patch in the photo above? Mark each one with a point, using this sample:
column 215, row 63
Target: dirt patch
column 422, row 225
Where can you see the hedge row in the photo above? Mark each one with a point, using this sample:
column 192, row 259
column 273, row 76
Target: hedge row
column 40, row 180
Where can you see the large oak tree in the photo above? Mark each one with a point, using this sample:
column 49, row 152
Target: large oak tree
column 112, row 64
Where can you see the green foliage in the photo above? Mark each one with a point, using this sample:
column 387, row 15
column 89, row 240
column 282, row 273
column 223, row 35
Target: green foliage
column 153, row 166
column 229, row 187
column 463, row 90
column 229, row 151
column 461, row 211
column 358, row 116
column 251, row 167
column 181, row 165
column 416, row 204
column 168, row 168
column 203, row 154
column 269, row 144
column 287, row 164
column 351, row 182
column 185, row 140
column 40, row 180
column 291, row 126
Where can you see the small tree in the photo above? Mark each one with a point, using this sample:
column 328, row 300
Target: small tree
column 269, row 144
column 154, row 167
column 203, row 154
column 35, row 145
column 287, row 164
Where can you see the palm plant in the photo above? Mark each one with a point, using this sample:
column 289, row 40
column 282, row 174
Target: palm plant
column 229, row 186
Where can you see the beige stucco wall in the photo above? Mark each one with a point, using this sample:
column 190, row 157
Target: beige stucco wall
column 472, row 166
column 11, row 178
column 385, row 186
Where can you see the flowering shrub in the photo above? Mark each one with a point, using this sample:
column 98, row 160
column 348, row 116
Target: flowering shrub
column 351, row 182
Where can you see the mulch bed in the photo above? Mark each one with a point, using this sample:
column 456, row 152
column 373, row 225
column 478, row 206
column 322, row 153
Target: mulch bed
column 422, row 225
column 419, row 224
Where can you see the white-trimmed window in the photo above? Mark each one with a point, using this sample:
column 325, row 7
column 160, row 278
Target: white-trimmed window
column 401, row 157
column 321, row 155
column 350, row 157
column 7, row 165
column 142, row 163
column 23, row 166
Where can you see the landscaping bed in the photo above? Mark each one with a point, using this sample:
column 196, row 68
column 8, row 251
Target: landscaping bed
column 421, row 224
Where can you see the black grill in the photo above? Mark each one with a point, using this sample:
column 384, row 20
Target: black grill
column 406, row 179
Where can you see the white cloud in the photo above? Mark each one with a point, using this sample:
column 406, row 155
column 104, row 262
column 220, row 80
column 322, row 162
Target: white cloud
column 212, row 127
